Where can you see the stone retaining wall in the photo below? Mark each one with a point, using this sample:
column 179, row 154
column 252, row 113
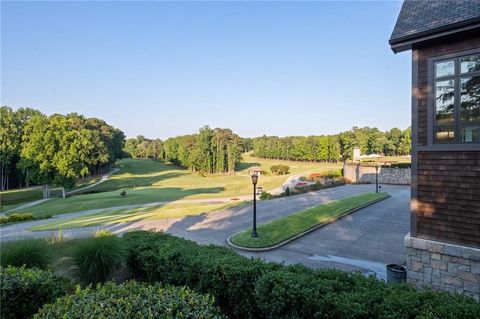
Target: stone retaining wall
column 443, row 266
column 386, row 175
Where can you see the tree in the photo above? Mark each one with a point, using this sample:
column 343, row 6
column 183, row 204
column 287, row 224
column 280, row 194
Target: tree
column 61, row 148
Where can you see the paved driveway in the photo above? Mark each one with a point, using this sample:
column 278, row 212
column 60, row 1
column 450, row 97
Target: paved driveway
column 365, row 240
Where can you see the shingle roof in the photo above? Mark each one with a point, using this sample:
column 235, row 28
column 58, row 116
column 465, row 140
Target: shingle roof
column 425, row 17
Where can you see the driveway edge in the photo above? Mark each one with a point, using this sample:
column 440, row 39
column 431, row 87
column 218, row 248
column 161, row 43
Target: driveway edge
column 229, row 242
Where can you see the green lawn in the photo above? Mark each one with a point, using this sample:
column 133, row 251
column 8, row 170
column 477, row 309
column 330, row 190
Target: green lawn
column 16, row 197
column 279, row 230
column 116, row 216
column 148, row 181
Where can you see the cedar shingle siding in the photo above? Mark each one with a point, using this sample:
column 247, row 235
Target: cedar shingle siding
column 448, row 182
column 448, row 196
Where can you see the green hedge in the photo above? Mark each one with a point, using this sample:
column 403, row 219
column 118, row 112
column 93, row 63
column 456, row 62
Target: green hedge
column 23, row 291
column 247, row 288
column 221, row 272
column 399, row 165
column 19, row 217
column 132, row 300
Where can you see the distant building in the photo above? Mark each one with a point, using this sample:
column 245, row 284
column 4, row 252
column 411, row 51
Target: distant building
column 356, row 154
column 443, row 247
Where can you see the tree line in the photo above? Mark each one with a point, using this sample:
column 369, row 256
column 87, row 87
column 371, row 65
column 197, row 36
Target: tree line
column 142, row 147
column 57, row 149
column 332, row 148
column 209, row 151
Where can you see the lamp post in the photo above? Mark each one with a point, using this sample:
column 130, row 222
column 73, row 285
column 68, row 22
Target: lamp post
column 254, row 176
column 376, row 178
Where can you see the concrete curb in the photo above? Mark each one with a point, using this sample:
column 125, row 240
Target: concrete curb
column 229, row 242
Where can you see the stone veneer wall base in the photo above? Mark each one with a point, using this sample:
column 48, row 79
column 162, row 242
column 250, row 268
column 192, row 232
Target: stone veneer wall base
column 443, row 266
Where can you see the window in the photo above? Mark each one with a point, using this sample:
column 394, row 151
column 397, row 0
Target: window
column 456, row 92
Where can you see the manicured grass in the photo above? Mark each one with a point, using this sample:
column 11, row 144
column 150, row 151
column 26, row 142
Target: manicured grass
column 16, row 197
column 279, row 230
column 149, row 181
column 10, row 199
column 114, row 216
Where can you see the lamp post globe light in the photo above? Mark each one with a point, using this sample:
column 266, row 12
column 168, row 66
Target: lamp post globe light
column 254, row 175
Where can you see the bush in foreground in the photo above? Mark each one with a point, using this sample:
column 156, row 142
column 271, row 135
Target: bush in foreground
column 29, row 252
column 97, row 257
column 229, row 277
column 132, row 300
column 23, row 291
column 246, row 288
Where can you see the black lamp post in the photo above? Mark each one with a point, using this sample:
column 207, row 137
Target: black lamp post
column 254, row 182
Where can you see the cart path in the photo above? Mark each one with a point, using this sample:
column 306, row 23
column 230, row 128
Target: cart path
column 34, row 203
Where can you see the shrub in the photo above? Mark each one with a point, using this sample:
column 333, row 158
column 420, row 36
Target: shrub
column 314, row 176
column 274, row 169
column 23, row 291
column 288, row 294
column 329, row 174
column 266, row 196
column 97, row 257
column 246, row 288
column 399, row 165
column 280, row 169
column 27, row 216
column 103, row 233
column 3, row 219
column 229, row 277
column 287, row 191
column 15, row 218
column 29, row 252
column 132, row 300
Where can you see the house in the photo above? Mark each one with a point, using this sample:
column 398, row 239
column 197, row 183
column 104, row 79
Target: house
column 443, row 247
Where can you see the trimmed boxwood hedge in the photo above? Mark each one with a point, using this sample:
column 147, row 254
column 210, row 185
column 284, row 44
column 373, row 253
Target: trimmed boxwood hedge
column 249, row 288
column 132, row 300
column 157, row 257
column 24, row 290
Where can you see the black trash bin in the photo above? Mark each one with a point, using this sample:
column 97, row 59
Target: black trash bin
column 396, row 273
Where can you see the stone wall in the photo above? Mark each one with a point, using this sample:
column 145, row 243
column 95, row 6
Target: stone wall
column 442, row 266
column 386, row 175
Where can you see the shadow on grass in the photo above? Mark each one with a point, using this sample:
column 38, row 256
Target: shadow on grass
column 244, row 166
column 135, row 206
column 131, row 181
column 149, row 166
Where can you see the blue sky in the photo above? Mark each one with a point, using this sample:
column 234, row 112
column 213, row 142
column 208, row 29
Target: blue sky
column 167, row 68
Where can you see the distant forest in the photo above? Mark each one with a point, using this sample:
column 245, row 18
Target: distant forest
column 36, row 149
column 219, row 150
column 332, row 148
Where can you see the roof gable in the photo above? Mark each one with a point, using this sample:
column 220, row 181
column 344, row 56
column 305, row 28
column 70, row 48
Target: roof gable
column 422, row 18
